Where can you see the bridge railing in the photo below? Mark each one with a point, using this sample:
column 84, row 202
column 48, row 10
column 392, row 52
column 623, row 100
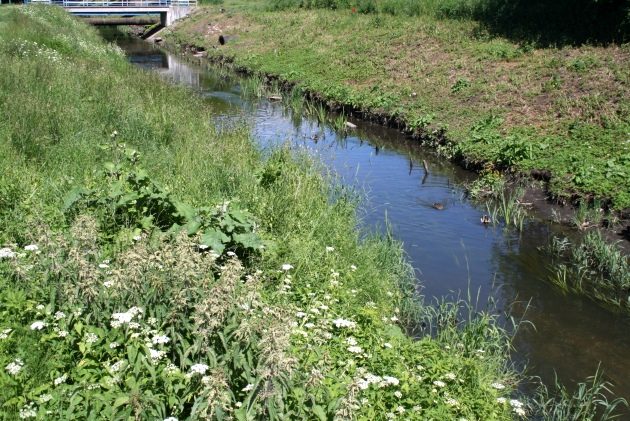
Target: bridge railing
column 117, row 3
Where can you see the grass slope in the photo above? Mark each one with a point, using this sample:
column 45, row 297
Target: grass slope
column 560, row 113
column 113, row 306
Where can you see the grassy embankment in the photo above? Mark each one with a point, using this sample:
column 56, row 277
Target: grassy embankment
column 481, row 93
column 133, row 283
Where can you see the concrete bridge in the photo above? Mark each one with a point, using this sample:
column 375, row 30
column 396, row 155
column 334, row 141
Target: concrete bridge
column 168, row 10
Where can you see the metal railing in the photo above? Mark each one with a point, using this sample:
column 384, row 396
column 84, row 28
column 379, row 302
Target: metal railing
column 117, row 3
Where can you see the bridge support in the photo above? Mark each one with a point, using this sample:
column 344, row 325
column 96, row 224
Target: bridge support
column 174, row 13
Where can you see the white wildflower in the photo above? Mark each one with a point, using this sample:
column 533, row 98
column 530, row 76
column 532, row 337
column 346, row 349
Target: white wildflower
column 439, row 383
column 199, row 369
column 13, row 368
column 248, row 388
column 300, row 314
column 363, row 384
column 122, row 317
column 450, row 376
column 170, row 419
column 134, row 325
column 353, row 268
column 329, row 249
column 520, row 412
column 91, row 338
column 355, row 349
column 28, row 411
column 103, row 265
column 139, row 237
column 203, row 247
column 31, row 247
column 117, row 366
column 40, row 307
column 398, row 394
column 287, row 267
column 156, row 355
column 171, row 369
column 390, row 415
column 38, row 325
column 501, row 400
column 59, row 315
column 387, row 345
column 400, row 409
column 451, row 402
column 309, row 325
column 6, row 253
column 344, row 323
column 389, row 380
column 498, row 386
column 45, row 397
column 393, row 319
column 114, row 345
column 516, row 403
column 161, row 339
column 61, row 379
column 5, row 333
column 108, row 284
column 231, row 254
column 351, row 341
column 62, row 333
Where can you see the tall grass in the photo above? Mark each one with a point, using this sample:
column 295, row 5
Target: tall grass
column 591, row 400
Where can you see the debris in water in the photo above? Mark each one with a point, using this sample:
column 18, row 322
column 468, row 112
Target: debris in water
column 274, row 98
column 485, row 220
column 350, row 125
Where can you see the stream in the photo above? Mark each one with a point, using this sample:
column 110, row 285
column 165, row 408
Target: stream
column 450, row 249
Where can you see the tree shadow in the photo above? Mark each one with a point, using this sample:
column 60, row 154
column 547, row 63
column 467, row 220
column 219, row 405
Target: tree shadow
column 556, row 22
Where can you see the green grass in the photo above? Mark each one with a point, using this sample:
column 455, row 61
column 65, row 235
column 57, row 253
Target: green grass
column 560, row 110
column 113, row 306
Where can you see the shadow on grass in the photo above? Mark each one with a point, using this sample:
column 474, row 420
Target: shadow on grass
column 550, row 22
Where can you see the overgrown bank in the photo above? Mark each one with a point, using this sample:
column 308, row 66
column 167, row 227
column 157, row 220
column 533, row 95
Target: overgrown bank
column 558, row 114
column 154, row 268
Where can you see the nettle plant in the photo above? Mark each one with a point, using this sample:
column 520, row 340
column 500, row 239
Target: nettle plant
column 128, row 202
column 164, row 330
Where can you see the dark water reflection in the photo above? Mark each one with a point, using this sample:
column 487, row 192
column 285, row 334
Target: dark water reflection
column 450, row 249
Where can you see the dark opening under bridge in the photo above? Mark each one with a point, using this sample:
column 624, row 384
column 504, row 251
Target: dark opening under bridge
column 168, row 10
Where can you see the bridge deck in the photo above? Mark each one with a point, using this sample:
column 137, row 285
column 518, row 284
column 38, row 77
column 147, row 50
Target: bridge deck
column 112, row 5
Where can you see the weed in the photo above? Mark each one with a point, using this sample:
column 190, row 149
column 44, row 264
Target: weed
column 589, row 401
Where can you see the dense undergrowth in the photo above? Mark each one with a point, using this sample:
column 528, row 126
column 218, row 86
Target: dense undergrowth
column 559, row 113
column 152, row 267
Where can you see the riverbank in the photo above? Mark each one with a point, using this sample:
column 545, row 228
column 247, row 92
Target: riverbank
column 559, row 115
column 153, row 267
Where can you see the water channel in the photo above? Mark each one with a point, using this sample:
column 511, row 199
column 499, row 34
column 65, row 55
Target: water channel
column 450, row 248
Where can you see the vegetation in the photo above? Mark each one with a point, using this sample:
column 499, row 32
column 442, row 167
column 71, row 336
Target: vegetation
column 545, row 105
column 589, row 401
column 154, row 268
column 592, row 266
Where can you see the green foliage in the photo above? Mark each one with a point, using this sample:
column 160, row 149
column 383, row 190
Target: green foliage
column 594, row 267
column 589, row 401
column 127, row 202
column 117, row 310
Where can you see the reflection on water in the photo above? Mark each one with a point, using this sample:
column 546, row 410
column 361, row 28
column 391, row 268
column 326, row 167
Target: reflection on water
column 450, row 249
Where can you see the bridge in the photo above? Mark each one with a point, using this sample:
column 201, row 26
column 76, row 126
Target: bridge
column 168, row 10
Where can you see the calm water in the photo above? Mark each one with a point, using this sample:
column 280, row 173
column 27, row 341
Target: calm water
column 450, row 249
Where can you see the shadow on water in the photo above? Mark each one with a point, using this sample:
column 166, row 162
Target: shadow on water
column 450, row 249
